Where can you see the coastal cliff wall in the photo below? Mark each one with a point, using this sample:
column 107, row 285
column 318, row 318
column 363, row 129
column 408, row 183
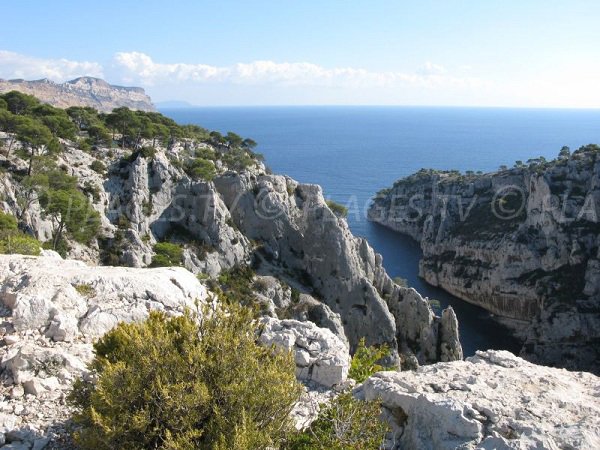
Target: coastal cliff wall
column 245, row 216
column 522, row 243
column 83, row 91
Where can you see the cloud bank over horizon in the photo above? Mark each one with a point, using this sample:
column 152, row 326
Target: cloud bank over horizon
column 15, row 66
column 270, row 82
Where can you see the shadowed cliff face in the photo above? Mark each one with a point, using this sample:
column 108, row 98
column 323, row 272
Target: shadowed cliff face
column 522, row 243
column 84, row 91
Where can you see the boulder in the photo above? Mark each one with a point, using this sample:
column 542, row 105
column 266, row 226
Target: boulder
column 320, row 356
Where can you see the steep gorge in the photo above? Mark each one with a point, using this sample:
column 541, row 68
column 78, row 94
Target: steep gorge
column 522, row 243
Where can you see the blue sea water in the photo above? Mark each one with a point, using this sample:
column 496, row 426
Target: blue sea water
column 353, row 152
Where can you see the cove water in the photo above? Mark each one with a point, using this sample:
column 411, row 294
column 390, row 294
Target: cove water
column 353, row 152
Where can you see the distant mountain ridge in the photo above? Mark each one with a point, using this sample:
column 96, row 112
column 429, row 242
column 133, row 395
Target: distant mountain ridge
column 83, row 91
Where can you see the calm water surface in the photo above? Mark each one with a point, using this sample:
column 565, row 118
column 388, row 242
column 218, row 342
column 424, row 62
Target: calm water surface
column 353, row 152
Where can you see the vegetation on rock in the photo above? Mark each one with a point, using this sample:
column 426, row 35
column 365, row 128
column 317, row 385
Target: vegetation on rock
column 12, row 240
column 337, row 209
column 365, row 361
column 186, row 382
column 167, row 254
column 345, row 424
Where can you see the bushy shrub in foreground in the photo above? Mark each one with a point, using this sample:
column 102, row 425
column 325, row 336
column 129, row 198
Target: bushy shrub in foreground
column 179, row 383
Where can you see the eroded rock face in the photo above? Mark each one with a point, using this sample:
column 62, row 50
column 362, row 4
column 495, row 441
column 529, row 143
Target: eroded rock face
column 522, row 243
column 240, row 217
column 299, row 232
column 493, row 400
column 83, row 91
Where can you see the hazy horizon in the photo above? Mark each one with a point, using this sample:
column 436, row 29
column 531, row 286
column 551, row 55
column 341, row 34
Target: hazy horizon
column 475, row 54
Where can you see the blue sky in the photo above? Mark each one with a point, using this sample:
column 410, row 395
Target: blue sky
column 471, row 53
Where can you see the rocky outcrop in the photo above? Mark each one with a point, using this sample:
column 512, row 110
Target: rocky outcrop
column 298, row 232
column 83, row 91
column 321, row 357
column 493, row 400
column 52, row 309
column 65, row 299
column 522, row 243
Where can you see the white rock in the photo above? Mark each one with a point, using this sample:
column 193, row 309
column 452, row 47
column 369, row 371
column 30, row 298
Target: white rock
column 17, row 392
column 11, row 339
column 451, row 405
column 41, row 293
column 321, row 357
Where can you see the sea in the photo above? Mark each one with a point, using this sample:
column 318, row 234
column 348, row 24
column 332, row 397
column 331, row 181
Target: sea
column 353, row 152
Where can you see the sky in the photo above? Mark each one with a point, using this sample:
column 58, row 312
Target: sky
column 513, row 53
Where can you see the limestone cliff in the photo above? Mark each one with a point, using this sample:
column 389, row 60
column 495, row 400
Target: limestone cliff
column 522, row 243
column 246, row 216
column 83, row 91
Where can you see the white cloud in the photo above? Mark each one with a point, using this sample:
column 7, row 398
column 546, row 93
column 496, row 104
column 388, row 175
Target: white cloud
column 139, row 67
column 15, row 65
column 430, row 68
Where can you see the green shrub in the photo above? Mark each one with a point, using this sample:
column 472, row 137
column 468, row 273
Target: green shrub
column 206, row 153
column 236, row 286
column 345, row 424
column 92, row 189
column 365, row 361
column 21, row 244
column 183, row 383
column 200, row 169
column 85, row 290
column 147, row 152
column 98, row 166
column 434, row 303
column 401, row 281
column 337, row 209
column 14, row 241
column 167, row 254
column 8, row 224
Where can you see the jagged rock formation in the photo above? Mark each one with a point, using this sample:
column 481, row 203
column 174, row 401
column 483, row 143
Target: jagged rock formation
column 83, row 91
column 248, row 215
column 522, row 243
column 300, row 233
column 493, row 400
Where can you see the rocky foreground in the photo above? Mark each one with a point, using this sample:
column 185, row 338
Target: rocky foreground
column 493, row 401
column 55, row 308
column 83, row 91
column 522, row 243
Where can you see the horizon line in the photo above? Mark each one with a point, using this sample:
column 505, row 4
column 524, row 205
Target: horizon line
column 333, row 105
